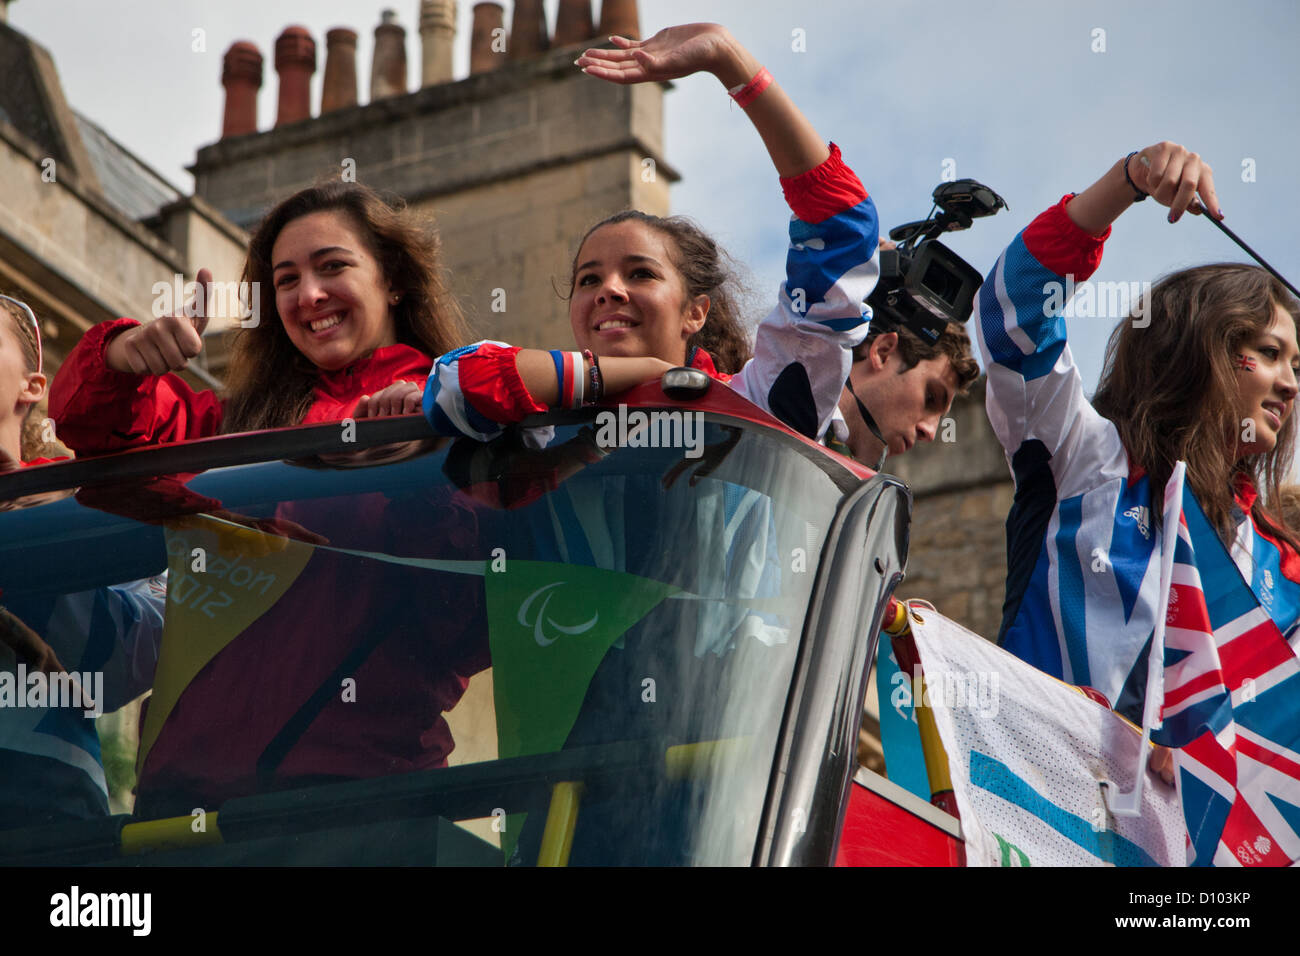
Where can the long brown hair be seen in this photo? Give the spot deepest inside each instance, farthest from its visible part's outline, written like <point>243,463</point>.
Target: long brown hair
<point>1170,387</point>
<point>270,382</point>
<point>706,270</point>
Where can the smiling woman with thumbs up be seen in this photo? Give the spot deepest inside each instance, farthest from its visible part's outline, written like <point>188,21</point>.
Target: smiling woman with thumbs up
<point>353,300</point>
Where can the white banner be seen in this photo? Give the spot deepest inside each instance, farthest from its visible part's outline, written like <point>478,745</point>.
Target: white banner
<point>1028,754</point>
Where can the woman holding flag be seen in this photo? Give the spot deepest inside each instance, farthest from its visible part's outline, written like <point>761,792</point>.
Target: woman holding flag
<point>1203,376</point>
<point>1204,372</point>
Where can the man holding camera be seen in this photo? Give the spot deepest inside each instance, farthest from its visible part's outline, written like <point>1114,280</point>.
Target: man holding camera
<point>899,388</point>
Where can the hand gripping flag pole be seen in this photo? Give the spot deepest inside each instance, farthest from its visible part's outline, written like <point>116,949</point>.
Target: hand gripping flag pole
<point>1198,207</point>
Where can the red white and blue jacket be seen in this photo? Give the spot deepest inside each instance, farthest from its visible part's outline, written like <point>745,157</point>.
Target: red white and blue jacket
<point>803,349</point>
<point>1083,568</point>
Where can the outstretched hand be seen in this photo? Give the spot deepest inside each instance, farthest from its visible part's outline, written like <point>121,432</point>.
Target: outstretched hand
<point>668,55</point>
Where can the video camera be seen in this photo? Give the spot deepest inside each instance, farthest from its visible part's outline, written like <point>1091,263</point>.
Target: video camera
<point>923,284</point>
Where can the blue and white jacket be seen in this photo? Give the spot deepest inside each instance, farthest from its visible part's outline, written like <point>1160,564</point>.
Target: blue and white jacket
<point>1083,568</point>
<point>50,755</point>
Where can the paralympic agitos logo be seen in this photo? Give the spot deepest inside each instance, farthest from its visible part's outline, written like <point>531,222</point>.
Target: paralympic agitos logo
<point>541,622</point>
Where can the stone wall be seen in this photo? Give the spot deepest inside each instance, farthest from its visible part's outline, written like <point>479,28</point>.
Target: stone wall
<point>510,244</point>
<point>961,493</point>
<point>77,260</point>
<point>962,490</point>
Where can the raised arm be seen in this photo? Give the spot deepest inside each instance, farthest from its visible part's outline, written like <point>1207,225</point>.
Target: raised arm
<point>1170,174</point>
<point>681,51</point>
<point>1034,390</point>
<point>117,389</point>
<point>803,348</point>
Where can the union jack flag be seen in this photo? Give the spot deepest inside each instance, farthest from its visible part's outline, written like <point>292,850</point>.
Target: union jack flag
<point>1245,362</point>
<point>1231,708</point>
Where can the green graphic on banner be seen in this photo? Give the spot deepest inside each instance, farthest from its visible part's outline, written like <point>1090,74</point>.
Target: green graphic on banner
<point>549,626</point>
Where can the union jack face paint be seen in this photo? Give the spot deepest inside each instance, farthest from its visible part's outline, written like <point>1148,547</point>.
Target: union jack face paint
<point>1245,362</point>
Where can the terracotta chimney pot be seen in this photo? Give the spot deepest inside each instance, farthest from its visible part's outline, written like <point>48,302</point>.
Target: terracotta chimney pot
<point>388,69</point>
<point>488,17</point>
<point>437,41</point>
<point>340,87</point>
<point>295,61</point>
<point>618,18</point>
<point>528,30</point>
<point>573,23</point>
<point>241,75</point>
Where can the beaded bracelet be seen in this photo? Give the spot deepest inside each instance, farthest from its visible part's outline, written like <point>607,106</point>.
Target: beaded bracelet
<point>748,92</point>
<point>597,380</point>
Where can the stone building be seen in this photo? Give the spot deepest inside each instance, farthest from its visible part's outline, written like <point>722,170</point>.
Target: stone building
<point>514,162</point>
<point>87,229</point>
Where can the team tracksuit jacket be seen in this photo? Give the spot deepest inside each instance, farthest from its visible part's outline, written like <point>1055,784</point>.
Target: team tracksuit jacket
<point>1083,555</point>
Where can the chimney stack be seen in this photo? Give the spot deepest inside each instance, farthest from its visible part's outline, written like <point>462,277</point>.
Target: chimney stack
<point>618,18</point>
<point>437,39</point>
<point>488,18</point>
<point>388,69</point>
<point>528,30</point>
<point>573,23</point>
<point>241,75</point>
<point>295,61</point>
<point>340,88</point>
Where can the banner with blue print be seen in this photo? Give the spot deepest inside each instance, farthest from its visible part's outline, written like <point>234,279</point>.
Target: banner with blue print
<point>1028,755</point>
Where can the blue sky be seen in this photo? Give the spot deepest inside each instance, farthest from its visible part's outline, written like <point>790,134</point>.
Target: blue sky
<point>1011,91</point>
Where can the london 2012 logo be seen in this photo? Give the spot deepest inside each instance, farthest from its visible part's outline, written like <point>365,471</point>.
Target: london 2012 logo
<point>541,623</point>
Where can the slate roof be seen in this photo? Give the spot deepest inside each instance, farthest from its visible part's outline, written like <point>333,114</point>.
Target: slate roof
<point>128,182</point>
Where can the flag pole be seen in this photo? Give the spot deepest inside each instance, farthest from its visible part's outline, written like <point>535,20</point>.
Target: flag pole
<point>1196,204</point>
<point>937,771</point>
<point>1130,804</point>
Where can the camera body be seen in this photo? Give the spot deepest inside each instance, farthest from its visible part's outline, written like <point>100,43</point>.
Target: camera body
<point>923,284</point>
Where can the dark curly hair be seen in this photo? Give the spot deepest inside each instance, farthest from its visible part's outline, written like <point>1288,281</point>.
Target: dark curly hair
<point>706,270</point>
<point>912,350</point>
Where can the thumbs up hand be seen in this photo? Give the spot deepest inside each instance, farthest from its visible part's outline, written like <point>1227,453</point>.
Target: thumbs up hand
<point>166,344</point>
